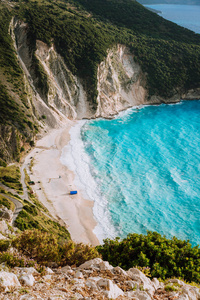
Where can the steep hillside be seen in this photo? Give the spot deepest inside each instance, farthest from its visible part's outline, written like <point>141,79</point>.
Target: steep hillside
<point>73,59</point>
<point>131,15</point>
<point>17,121</point>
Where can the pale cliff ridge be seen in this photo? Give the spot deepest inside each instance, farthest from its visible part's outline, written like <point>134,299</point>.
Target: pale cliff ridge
<point>65,92</point>
<point>18,31</point>
<point>64,97</point>
<point>120,82</point>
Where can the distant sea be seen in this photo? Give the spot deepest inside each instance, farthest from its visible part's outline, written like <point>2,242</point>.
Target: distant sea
<point>141,169</point>
<point>187,16</point>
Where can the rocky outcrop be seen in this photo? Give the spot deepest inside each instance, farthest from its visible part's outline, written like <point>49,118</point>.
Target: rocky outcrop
<point>61,95</point>
<point>8,280</point>
<point>10,142</point>
<point>6,214</point>
<point>6,219</point>
<point>95,279</point>
<point>191,94</point>
<point>120,83</point>
<point>4,227</point>
<point>65,92</point>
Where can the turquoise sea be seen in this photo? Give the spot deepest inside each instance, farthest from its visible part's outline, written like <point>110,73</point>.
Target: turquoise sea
<point>141,169</point>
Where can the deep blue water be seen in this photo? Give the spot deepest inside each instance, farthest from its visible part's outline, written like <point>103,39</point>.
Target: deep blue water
<point>187,16</point>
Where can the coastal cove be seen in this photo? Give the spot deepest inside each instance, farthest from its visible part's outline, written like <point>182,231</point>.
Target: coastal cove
<point>99,150</point>
<point>134,173</point>
<point>141,169</point>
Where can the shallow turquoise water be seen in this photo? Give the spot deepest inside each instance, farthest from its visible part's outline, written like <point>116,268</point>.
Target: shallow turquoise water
<point>187,16</point>
<point>146,170</point>
<point>142,169</point>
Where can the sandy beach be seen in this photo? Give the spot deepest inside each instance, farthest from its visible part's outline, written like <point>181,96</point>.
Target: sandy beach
<point>53,182</point>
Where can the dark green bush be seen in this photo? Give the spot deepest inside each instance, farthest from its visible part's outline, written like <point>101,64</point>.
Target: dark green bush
<point>31,209</point>
<point>4,245</point>
<point>38,245</point>
<point>2,163</point>
<point>25,221</point>
<point>16,260</point>
<point>10,179</point>
<point>165,257</point>
<point>5,202</point>
<point>76,254</point>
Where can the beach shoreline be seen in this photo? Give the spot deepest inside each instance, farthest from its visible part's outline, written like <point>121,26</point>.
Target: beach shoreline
<point>53,182</point>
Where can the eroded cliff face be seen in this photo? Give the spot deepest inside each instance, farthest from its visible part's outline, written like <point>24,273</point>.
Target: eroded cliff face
<point>120,83</point>
<point>65,93</point>
<point>9,142</point>
<point>59,95</point>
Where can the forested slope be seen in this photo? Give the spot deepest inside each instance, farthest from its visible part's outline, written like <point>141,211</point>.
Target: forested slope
<point>82,32</point>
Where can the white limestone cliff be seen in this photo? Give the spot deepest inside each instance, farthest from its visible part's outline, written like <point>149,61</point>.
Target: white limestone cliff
<point>120,82</point>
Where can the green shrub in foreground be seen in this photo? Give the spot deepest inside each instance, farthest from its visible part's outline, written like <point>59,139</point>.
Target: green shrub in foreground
<point>37,245</point>
<point>165,257</point>
<point>44,248</point>
<point>13,260</point>
<point>77,254</point>
<point>4,245</point>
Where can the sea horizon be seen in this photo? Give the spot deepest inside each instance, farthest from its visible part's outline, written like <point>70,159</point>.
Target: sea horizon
<point>184,15</point>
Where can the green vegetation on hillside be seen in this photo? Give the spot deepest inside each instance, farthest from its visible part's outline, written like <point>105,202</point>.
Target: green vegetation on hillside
<point>15,113</point>
<point>173,66</point>
<point>80,40</point>
<point>167,53</point>
<point>34,215</point>
<point>4,201</point>
<point>131,15</point>
<point>11,176</point>
<point>45,248</point>
<point>165,257</point>
<point>82,31</point>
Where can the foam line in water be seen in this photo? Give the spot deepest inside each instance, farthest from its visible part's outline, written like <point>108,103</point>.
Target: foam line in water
<point>75,158</point>
<point>135,109</point>
<point>141,170</point>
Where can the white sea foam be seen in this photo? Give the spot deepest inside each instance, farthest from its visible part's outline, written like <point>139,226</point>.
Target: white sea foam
<point>143,174</point>
<point>75,158</point>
